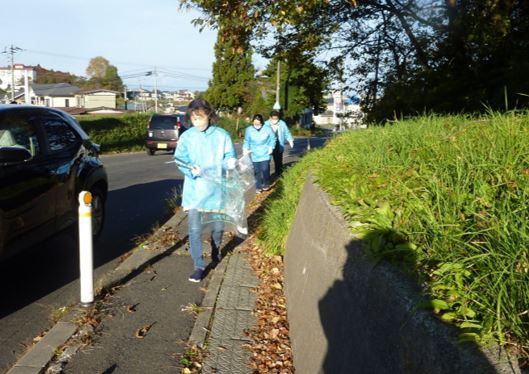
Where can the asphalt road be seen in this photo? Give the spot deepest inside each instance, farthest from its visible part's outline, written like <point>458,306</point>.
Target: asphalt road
<point>40,281</point>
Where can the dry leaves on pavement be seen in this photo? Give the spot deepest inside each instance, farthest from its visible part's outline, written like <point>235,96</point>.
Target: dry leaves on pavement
<point>270,346</point>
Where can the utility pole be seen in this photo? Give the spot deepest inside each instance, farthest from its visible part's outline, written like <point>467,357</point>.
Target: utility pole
<point>125,96</point>
<point>27,99</point>
<point>277,106</point>
<point>12,50</point>
<point>155,90</point>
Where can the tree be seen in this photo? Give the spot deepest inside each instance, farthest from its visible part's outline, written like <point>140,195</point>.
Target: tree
<point>52,76</point>
<point>414,55</point>
<point>232,69</point>
<point>97,67</point>
<point>103,75</point>
<point>233,84</point>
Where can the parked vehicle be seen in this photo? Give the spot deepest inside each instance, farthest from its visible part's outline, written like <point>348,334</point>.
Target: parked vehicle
<point>46,159</point>
<point>163,132</point>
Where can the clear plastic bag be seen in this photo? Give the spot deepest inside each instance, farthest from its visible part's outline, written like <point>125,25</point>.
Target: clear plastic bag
<point>234,185</point>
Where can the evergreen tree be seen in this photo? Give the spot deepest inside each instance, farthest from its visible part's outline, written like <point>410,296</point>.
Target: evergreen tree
<point>232,70</point>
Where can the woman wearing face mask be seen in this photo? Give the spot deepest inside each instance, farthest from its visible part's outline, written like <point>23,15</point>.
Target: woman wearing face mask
<point>280,129</point>
<point>205,149</point>
<point>259,142</point>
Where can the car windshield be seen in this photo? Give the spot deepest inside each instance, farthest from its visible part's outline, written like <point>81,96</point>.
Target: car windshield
<point>163,123</point>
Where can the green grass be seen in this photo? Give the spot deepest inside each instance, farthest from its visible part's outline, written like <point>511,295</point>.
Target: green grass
<point>117,133</point>
<point>125,133</point>
<point>446,198</point>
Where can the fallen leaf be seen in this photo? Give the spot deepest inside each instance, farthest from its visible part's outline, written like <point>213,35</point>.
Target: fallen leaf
<point>142,332</point>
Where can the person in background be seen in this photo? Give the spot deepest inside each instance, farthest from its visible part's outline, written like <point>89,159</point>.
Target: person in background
<point>280,129</point>
<point>259,142</point>
<point>203,150</point>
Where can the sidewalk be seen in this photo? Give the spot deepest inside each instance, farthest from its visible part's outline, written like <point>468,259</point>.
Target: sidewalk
<point>231,300</point>
<point>153,314</point>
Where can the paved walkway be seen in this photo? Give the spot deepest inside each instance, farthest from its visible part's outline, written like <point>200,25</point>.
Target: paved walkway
<point>232,315</point>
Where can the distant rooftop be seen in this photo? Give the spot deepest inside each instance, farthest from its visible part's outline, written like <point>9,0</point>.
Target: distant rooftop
<point>56,89</point>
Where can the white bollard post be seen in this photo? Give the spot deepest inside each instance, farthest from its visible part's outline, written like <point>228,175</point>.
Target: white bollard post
<point>86,265</point>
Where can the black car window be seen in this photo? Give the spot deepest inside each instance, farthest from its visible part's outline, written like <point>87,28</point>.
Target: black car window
<point>60,135</point>
<point>163,123</point>
<point>17,132</point>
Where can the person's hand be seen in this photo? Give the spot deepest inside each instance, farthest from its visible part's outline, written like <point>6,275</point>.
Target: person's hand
<point>291,144</point>
<point>246,151</point>
<point>196,170</point>
<point>231,163</point>
<point>270,150</point>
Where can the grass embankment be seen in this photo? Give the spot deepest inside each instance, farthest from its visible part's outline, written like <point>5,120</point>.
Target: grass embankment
<point>116,133</point>
<point>447,198</point>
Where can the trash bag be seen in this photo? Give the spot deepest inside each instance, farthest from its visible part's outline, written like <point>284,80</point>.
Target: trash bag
<point>233,185</point>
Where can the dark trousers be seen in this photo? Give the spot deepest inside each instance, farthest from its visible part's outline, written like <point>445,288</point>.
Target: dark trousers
<point>262,174</point>
<point>278,158</point>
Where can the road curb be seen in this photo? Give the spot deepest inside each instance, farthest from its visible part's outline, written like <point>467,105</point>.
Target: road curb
<point>37,358</point>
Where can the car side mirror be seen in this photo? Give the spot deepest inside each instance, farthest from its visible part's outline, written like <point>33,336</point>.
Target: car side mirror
<point>14,155</point>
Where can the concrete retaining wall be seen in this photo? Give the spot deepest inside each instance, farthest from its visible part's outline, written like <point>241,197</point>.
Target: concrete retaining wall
<point>348,314</point>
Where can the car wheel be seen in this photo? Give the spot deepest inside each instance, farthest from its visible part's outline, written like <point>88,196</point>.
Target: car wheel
<point>150,152</point>
<point>98,211</point>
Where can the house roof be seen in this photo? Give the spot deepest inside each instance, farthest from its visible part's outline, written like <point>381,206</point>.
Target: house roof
<point>57,89</point>
<point>98,90</point>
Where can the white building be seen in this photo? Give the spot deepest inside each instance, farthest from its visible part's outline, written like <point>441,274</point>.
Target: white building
<point>19,71</point>
<point>342,112</point>
<point>98,98</point>
<point>59,95</point>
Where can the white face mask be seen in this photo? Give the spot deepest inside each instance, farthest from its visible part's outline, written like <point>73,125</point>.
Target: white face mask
<point>200,122</point>
<point>257,124</point>
<point>274,121</point>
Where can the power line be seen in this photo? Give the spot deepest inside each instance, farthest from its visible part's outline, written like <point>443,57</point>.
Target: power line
<point>117,62</point>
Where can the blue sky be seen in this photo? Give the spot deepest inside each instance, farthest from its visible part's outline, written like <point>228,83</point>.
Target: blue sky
<point>134,35</point>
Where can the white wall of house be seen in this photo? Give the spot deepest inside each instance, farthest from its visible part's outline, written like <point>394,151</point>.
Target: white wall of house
<point>63,102</point>
<point>54,101</point>
<point>100,99</point>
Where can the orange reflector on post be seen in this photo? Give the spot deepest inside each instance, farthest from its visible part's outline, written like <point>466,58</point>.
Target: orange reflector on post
<point>86,198</point>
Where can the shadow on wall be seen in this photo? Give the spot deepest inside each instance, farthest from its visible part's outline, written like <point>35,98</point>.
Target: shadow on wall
<point>372,323</point>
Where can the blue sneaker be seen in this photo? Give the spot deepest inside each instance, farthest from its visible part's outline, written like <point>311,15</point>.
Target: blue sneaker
<point>197,275</point>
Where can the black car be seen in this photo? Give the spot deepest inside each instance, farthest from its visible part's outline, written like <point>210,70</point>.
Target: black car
<point>46,159</point>
<point>163,132</point>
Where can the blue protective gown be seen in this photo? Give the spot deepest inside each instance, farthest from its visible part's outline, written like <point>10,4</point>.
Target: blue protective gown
<point>259,142</point>
<point>210,150</point>
<point>283,133</point>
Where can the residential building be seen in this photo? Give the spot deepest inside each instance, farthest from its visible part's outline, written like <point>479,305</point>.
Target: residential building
<point>341,112</point>
<point>98,98</point>
<point>58,95</point>
<point>19,72</point>
<point>68,97</point>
